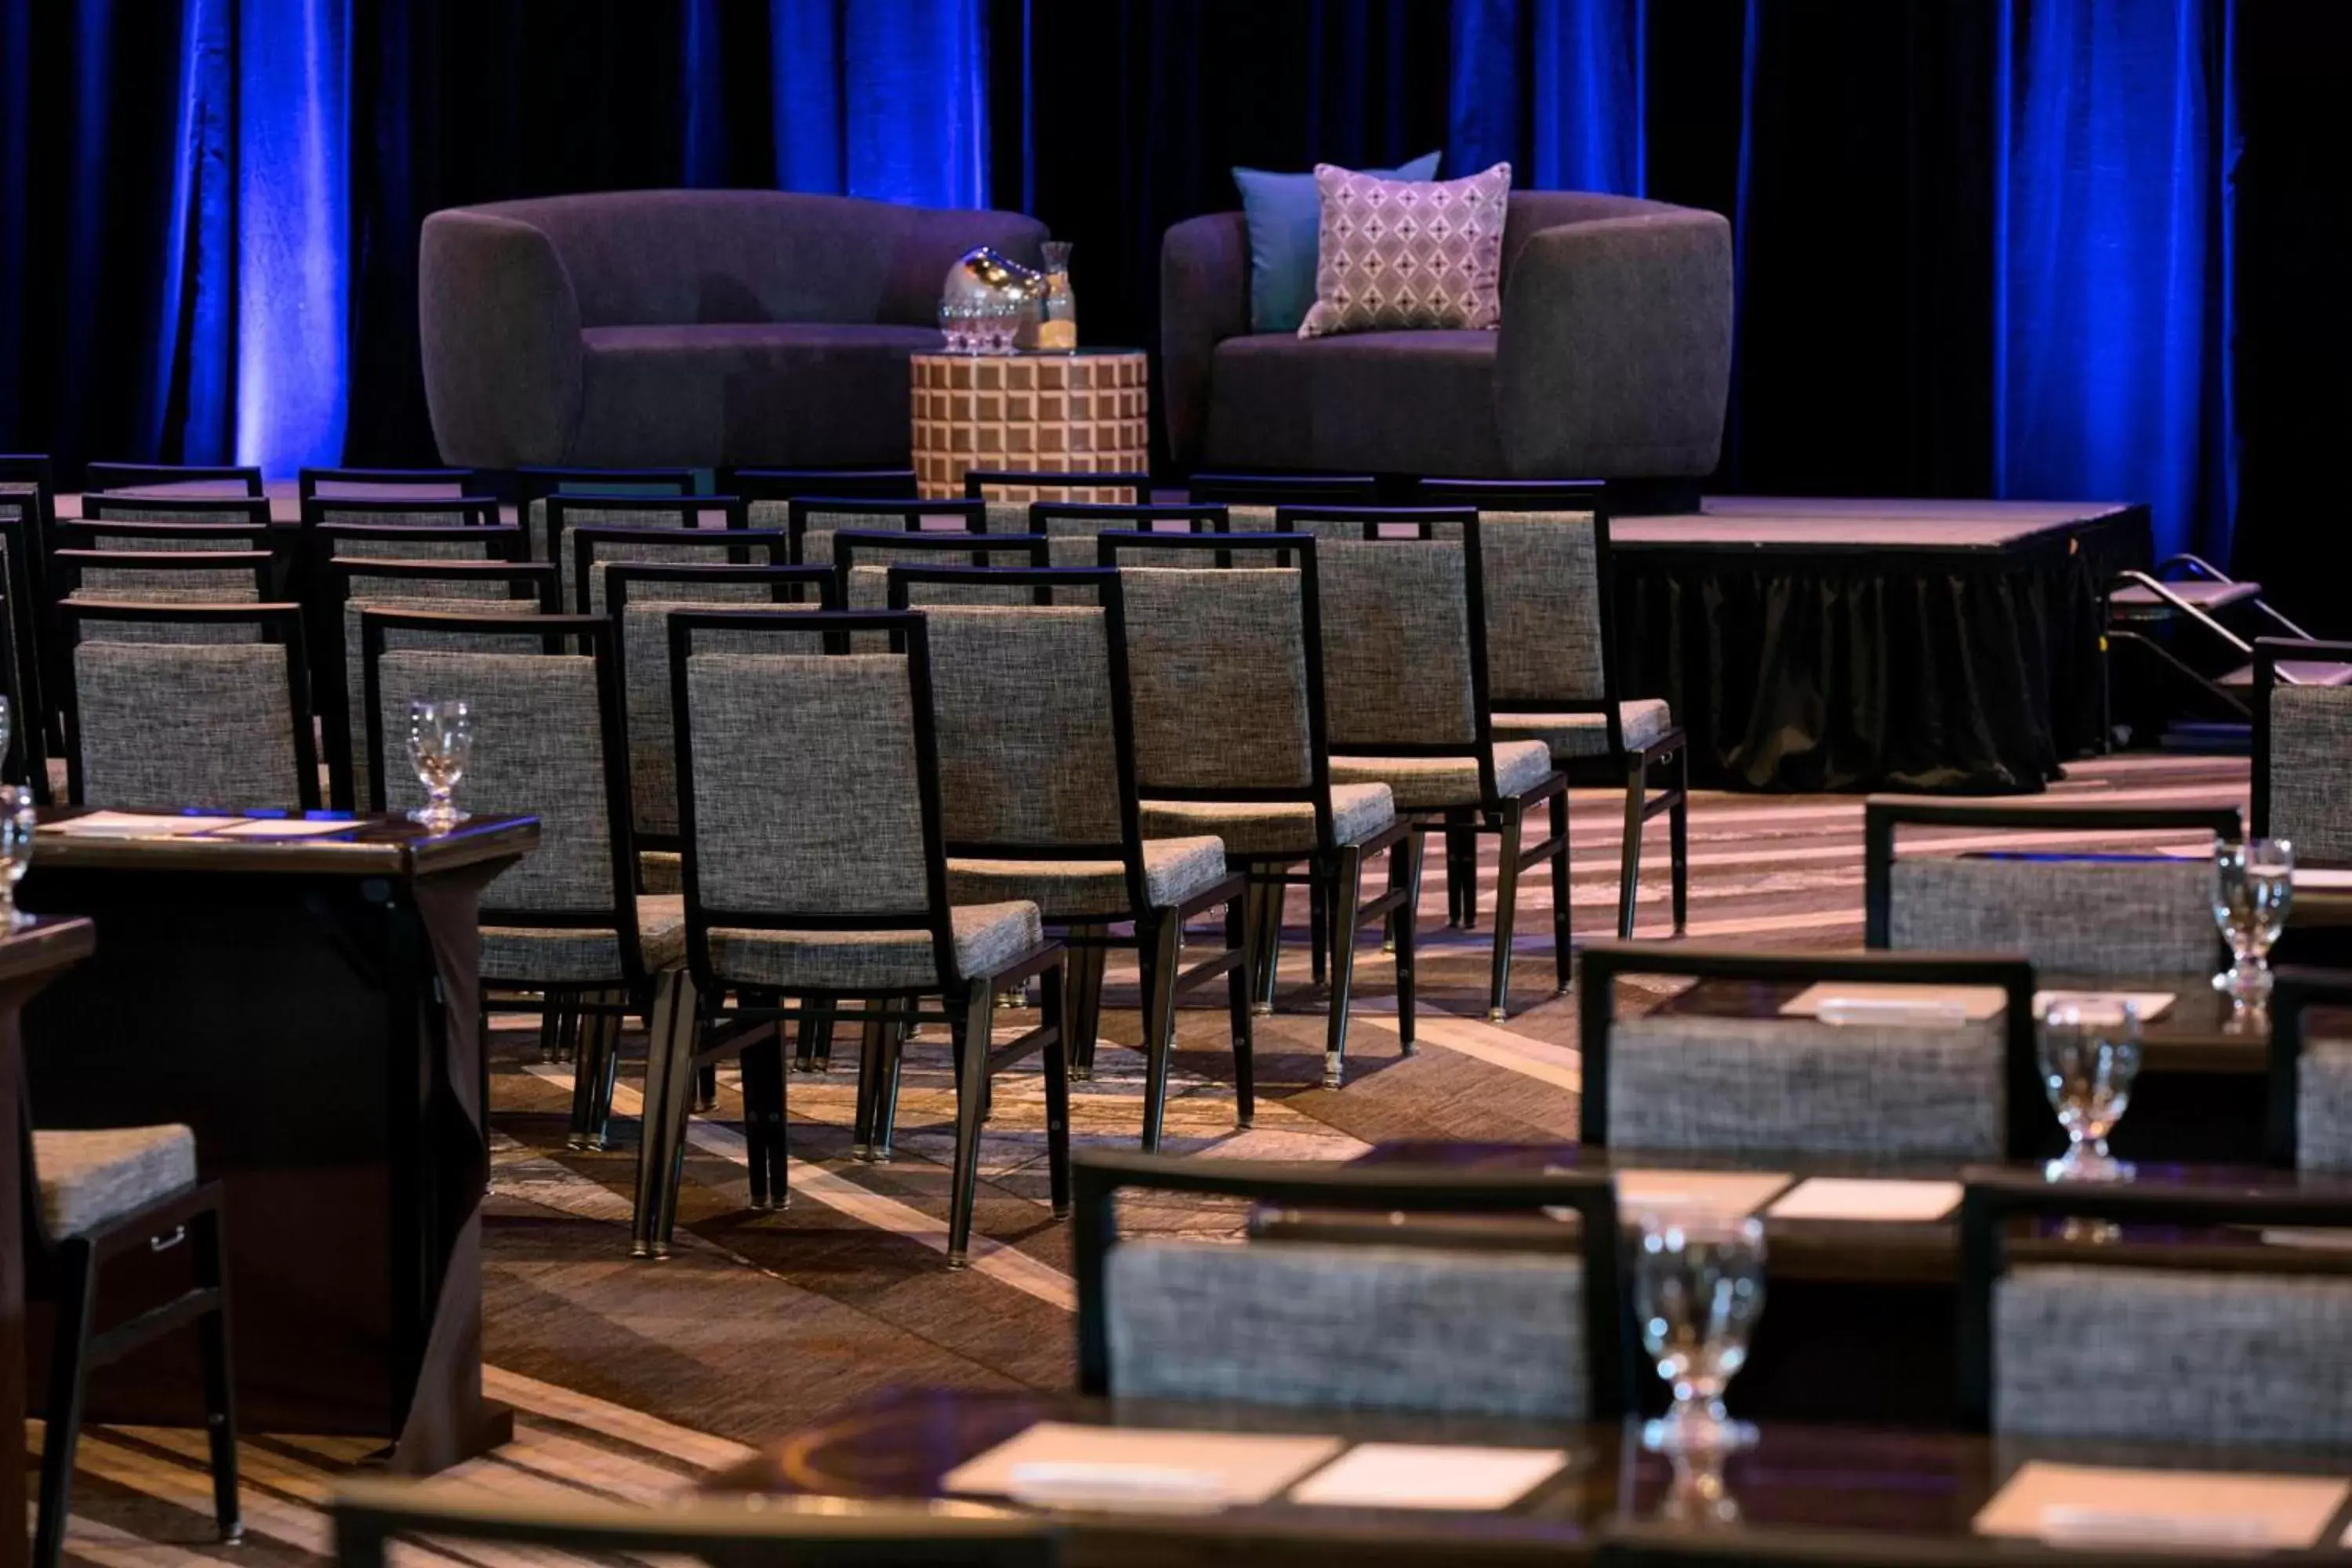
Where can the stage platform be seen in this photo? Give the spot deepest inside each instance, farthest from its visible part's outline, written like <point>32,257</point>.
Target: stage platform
<point>1811,645</point>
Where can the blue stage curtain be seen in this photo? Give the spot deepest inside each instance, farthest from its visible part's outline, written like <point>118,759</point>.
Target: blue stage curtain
<point>1558,87</point>
<point>2117,129</point>
<point>886,98</point>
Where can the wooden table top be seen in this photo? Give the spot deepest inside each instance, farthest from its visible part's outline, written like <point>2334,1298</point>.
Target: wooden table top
<point>43,942</point>
<point>384,846</point>
<point>1918,1486</point>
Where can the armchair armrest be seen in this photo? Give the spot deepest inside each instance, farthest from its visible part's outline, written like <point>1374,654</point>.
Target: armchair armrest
<point>1615,358</point>
<point>500,327</point>
<point>1204,267</point>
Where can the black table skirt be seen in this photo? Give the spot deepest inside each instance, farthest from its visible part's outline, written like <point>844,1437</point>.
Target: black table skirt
<point>1961,672</point>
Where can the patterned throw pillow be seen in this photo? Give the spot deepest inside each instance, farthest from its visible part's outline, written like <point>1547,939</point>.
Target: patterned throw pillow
<point>1402,253</point>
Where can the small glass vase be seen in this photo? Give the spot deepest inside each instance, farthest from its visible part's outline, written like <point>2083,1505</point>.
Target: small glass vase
<point>1058,307</point>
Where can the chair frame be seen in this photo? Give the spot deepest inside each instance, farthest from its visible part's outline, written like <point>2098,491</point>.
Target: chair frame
<point>331,591</point>
<point>1882,815</point>
<point>968,1001</point>
<point>976,548</point>
<point>792,484</point>
<point>737,543</point>
<point>1099,1176</point>
<point>909,513</point>
<point>306,482</point>
<point>96,477</point>
<point>1159,933</point>
<point>1235,488</point>
<point>1135,481</point>
<point>248,511</point>
<point>277,623</point>
<point>1994,1196</point>
<point>689,509</point>
<point>1503,816</point>
<point>1197,519</point>
<point>470,510</point>
<point>2295,989</point>
<point>2026,1121</point>
<point>20,664</point>
<point>2268,654</point>
<point>1335,871</point>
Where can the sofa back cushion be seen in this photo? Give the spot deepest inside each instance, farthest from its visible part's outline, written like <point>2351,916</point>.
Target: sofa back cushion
<point>696,258</point>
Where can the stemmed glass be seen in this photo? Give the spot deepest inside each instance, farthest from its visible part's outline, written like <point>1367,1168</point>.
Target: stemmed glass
<point>2252,886</point>
<point>1698,1288</point>
<point>17,825</point>
<point>440,740</point>
<point>2089,1057</point>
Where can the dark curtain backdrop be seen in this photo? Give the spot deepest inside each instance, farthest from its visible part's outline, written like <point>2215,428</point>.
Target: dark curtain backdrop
<point>2063,247</point>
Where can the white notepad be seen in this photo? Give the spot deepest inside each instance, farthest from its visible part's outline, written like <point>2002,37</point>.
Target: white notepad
<point>2088,1504</point>
<point>1884,1002</point>
<point>1721,1191</point>
<point>2105,1007</point>
<point>1416,1474</point>
<point>1845,1197</point>
<point>282,827</point>
<point>1059,1463</point>
<point>138,825</point>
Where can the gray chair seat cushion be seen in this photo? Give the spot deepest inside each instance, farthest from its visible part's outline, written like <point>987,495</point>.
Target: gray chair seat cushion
<point>776,393</point>
<point>1174,869</point>
<point>1259,828</point>
<point>89,1179</point>
<point>1424,783</point>
<point>1570,735</point>
<point>1415,401</point>
<point>554,956</point>
<point>2213,1357</point>
<point>2323,1105</point>
<point>2119,918</point>
<point>987,937</point>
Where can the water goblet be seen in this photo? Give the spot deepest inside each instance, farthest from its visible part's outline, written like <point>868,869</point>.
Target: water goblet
<point>955,338</point>
<point>17,825</point>
<point>1698,1288</point>
<point>2254,884</point>
<point>2089,1057</point>
<point>440,741</point>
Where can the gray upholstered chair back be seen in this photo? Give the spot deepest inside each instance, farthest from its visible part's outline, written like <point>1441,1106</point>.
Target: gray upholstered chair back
<point>806,794</point>
<point>1397,641</point>
<point>2323,1105</point>
<point>1431,1329</point>
<point>868,587</point>
<point>101,575</point>
<point>1797,1086</point>
<point>539,750</point>
<point>645,660</point>
<point>1542,576</point>
<point>600,509</point>
<point>818,526</point>
<point>164,725</point>
<point>1217,663</point>
<point>2311,770</point>
<point>370,511</point>
<point>376,547</point>
<point>2203,1356</point>
<point>698,546</point>
<point>1022,703</point>
<point>434,594</point>
<point>2123,917</point>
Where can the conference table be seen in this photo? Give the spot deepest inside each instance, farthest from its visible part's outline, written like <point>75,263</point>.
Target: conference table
<point>304,994</point>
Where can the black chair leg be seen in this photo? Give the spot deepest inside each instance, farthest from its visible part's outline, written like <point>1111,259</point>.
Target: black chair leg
<point>1318,936</point>
<point>1404,872</point>
<point>1507,910</point>
<point>1085,967</point>
<point>76,1303</point>
<point>763,1121</point>
<point>1347,904</point>
<point>972,1111</point>
<point>220,1381</point>
<point>1629,872</point>
<point>706,1088</point>
<point>1678,839</point>
<point>550,1029</point>
<point>1053,1007</point>
<point>1245,1028</point>
<point>1563,959</point>
<point>1159,944</point>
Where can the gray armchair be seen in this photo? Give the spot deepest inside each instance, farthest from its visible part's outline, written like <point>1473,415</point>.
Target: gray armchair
<point>1613,359</point>
<point>686,329</point>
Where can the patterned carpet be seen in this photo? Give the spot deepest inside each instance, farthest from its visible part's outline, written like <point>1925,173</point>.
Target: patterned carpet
<point>630,1378</point>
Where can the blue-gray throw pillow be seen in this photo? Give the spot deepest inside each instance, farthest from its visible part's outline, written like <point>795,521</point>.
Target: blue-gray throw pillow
<point>1286,220</point>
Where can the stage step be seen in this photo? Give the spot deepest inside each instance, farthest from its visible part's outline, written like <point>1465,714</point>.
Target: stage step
<point>2203,593</point>
<point>2295,672</point>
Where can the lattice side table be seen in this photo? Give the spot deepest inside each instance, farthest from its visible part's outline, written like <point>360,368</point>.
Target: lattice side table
<point>1086,412</point>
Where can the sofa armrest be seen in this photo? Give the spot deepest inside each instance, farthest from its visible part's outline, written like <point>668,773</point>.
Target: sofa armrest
<point>1615,358</point>
<point>500,327</point>
<point>1204,265</point>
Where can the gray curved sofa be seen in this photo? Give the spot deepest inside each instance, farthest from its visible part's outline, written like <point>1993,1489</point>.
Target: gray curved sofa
<point>1613,359</point>
<point>686,327</point>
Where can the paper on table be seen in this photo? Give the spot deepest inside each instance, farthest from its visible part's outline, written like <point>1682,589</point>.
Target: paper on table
<point>1247,1468</point>
<point>2081,1502</point>
<point>1844,1197</point>
<point>2324,879</point>
<point>138,825</point>
<point>1976,1003</point>
<point>283,827</point>
<point>1417,1475</point>
<point>1724,1192</point>
<point>2105,1007</point>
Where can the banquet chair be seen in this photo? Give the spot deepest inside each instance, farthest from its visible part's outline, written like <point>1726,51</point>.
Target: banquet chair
<point>390,484</point>
<point>567,919</point>
<point>1074,526</point>
<point>20,664</point>
<point>595,547</point>
<point>1035,486</point>
<point>2103,916</point>
<point>345,585</point>
<point>534,485</point>
<point>814,519</point>
<point>2303,750</point>
<point>2190,1328</point>
<point>753,1530</point>
<point>1226,684</point>
<point>1405,663</point>
<point>418,508</point>
<point>1036,750</point>
<point>679,515</point>
<point>2309,1123</point>
<point>865,559</point>
<point>809,803</point>
<point>163,725</point>
<point>94,1197</point>
<point>230,480</point>
<point>1729,1082</point>
<point>1438,1330</point>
